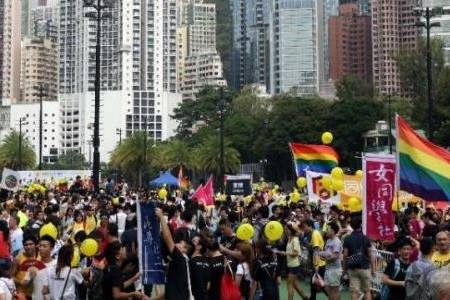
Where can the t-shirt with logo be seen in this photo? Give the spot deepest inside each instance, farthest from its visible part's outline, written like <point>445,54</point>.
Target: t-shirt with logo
<point>440,260</point>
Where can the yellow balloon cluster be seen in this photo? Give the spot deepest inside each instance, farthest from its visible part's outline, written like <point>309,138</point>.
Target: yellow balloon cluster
<point>301,182</point>
<point>36,188</point>
<point>327,138</point>
<point>273,230</point>
<point>89,247</point>
<point>50,230</point>
<point>162,194</point>
<point>245,232</point>
<point>294,196</point>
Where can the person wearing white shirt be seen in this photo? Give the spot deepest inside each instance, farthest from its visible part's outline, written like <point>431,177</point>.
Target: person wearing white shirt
<point>15,235</point>
<point>7,285</point>
<point>40,277</point>
<point>62,279</point>
<point>119,218</point>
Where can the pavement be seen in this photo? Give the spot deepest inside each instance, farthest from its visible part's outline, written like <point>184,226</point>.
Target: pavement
<point>345,295</point>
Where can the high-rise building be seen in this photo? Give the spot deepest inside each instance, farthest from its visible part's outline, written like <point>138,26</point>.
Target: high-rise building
<point>10,57</point>
<point>350,43</point>
<point>197,55</point>
<point>44,22</point>
<point>294,51</point>
<point>39,70</point>
<point>393,30</point>
<point>443,31</point>
<point>251,35</point>
<point>138,72</point>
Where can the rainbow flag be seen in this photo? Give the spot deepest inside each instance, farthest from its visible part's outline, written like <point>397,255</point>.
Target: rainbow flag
<point>316,158</point>
<point>424,168</point>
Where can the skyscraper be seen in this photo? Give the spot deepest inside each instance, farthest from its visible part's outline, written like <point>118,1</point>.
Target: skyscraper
<point>393,30</point>
<point>294,47</point>
<point>350,43</point>
<point>138,72</point>
<point>10,60</point>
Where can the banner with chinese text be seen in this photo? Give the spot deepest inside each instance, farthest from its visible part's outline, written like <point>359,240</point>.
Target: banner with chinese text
<point>378,194</point>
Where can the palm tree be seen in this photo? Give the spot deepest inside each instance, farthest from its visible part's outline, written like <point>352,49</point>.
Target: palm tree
<point>176,152</point>
<point>207,156</point>
<point>11,157</point>
<point>135,155</point>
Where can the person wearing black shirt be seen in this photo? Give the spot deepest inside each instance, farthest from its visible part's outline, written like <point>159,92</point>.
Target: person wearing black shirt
<point>199,267</point>
<point>395,272</point>
<point>266,271</point>
<point>113,283</point>
<point>216,263</point>
<point>178,284</point>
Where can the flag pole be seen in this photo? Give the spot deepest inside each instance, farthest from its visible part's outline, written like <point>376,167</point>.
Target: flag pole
<point>397,167</point>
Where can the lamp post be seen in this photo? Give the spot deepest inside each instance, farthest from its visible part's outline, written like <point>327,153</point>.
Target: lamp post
<point>22,121</point>
<point>41,96</point>
<point>427,13</point>
<point>98,15</point>
<point>221,119</point>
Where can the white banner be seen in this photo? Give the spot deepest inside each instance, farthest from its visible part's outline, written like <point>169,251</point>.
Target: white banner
<point>317,193</point>
<point>27,177</point>
<point>10,180</point>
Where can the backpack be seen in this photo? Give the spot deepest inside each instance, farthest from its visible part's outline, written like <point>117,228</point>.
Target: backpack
<point>385,289</point>
<point>416,283</point>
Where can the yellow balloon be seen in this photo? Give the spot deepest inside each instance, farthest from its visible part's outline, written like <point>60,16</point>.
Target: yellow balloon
<point>359,174</point>
<point>354,204</point>
<point>89,247</point>
<point>327,138</point>
<point>338,185</point>
<point>337,173</point>
<point>301,182</point>
<point>76,257</point>
<point>115,201</point>
<point>327,182</point>
<point>50,230</point>
<point>295,197</point>
<point>273,230</point>
<point>245,232</point>
<point>162,194</point>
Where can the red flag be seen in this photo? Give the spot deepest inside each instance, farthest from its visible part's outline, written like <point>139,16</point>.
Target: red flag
<point>209,191</point>
<point>205,193</point>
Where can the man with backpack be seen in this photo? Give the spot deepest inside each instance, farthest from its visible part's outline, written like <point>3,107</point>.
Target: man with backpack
<point>394,275</point>
<point>416,283</point>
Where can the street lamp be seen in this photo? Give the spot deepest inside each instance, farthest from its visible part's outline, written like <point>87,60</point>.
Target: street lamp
<point>427,13</point>
<point>98,15</point>
<point>22,121</point>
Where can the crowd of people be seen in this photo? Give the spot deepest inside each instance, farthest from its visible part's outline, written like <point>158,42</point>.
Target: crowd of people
<point>326,250</point>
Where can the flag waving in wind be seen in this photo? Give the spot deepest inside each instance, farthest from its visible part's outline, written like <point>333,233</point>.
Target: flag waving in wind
<point>205,193</point>
<point>316,158</point>
<point>424,168</point>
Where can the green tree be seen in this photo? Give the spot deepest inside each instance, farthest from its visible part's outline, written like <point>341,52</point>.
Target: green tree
<point>11,157</point>
<point>291,119</point>
<point>71,160</point>
<point>207,156</point>
<point>413,74</point>
<point>176,152</point>
<point>135,156</point>
<point>351,87</point>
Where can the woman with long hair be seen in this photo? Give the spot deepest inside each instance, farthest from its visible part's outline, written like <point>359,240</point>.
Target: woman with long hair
<point>266,271</point>
<point>243,276</point>
<point>62,278</point>
<point>216,262</point>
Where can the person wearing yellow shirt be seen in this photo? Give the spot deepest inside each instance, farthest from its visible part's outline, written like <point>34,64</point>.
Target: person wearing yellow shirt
<point>292,254</point>
<point>317,244</point>
<point>90,223</point>
<point>441,257</point>
<point>22,262</point>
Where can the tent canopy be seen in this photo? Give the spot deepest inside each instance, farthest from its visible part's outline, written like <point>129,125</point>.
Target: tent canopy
<point>165,178</point>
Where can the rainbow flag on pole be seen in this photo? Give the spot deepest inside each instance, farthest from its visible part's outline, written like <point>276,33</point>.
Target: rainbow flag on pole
<point>424,168</point>
<point>316,158</point>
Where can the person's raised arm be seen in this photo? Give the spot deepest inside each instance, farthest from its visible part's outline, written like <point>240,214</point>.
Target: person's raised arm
<point>165,231</point>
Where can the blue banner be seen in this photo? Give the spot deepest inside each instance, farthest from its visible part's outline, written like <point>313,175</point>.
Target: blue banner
<point>149,238</point>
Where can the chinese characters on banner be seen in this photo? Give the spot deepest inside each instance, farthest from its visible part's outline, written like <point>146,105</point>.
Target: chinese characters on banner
<point>379,189</point>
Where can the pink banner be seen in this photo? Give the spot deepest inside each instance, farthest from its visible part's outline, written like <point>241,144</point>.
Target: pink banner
<point>379,187</point>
